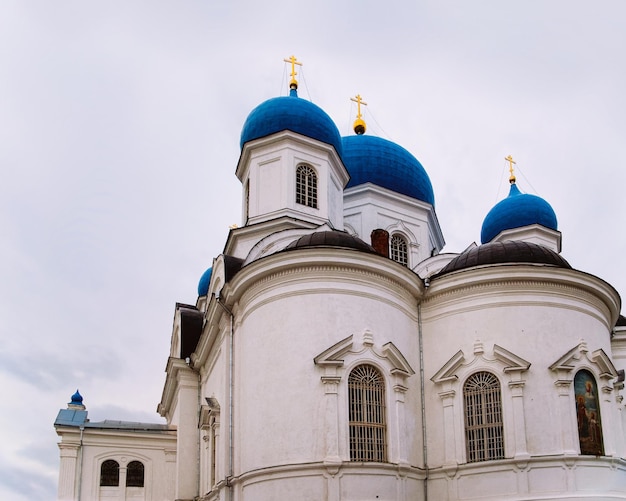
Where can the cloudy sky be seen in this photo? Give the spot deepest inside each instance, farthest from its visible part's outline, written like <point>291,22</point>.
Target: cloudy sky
<point>120,125</point>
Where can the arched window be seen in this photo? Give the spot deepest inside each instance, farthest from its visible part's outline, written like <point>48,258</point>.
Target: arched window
<point>484,431</point>
<point>134,474</point>
<point>366,393</point>
<point>306,186</point>
<point>398,250</point>
<point>588,414</point>
<point>109,473</point>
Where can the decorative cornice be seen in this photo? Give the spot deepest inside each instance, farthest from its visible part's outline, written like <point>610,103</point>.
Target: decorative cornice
<point>510,363</point>
<point>578,358</point>
<point>458,288</point>
<point>334,357</point>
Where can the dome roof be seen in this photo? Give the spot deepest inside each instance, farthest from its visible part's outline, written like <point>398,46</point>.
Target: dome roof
<point>508,252</point>
<point>517,210</point>
<point>77,399</point>
<point>371,159</point>
<point>203,284</point>
<point>294,114</point>
<point>335,238</point>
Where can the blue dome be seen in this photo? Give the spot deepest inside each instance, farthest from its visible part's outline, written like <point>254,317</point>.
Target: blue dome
<point>371,159</point>
<point>517,210</point>
<point>203,284</point>
<point>77,399</point>
<point>294,114</point>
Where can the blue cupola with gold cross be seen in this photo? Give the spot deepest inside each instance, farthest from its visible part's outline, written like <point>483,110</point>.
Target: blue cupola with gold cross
<point>290,113</point>
<point>290,168</point>
<point>518,210</point>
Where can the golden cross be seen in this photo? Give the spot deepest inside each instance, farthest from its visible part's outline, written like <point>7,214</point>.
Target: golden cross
<point>293,62</point>
<point>359,101</point>
<point>511,162</point>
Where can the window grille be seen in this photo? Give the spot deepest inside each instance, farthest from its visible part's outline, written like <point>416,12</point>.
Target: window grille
<point>306,186</point>
<point>398,250</point>
<point>134,474</point>
<point>109,473</point>
<point>366,388</point>
<point>484,431</point>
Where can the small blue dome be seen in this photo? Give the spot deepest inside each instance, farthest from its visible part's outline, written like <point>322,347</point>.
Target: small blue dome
<point>77,399</point>
<point>203,284</point>
<point>517,210</point>
<point>294,114</point>
<point>371,159</point>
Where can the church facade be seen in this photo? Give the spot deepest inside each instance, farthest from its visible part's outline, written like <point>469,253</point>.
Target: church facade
<point>334,353</point>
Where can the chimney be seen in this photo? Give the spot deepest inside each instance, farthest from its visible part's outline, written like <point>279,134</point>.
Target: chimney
<point>380,241</point>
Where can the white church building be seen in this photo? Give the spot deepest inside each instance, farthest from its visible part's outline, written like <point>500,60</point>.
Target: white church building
<point>335,354</point>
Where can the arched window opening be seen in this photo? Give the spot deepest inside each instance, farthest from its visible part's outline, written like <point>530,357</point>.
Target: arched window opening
<point>588,414</point>
<point>399,250</point>
<point>134,474</point>
<point>366,389</point>
<point>484,430</point>
<point>109,473</point>
<point>306,186</point>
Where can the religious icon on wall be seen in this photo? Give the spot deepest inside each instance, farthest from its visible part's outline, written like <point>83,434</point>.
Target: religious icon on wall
<point>588,414</point>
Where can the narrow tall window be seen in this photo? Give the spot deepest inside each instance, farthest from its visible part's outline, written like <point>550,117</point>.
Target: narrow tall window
<point>588,414</point>
<point>134,474</point>
<point>366,389</point>
<point>484,431</point>
<point>109,473</point>
<point>247,200</point>
<point>398,250</point>
<point>306,186</point>
<point>212,480</point>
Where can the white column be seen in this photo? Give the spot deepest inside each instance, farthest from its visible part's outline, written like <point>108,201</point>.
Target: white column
<point>188,447</point>
<point>67,472</point>
<point>569,433</point>
<point>449,440</point>
<point>402,443</point>
<point>519,419</point>
<point>607,426</point>
<point>122,484</point>
<point>331,423</point>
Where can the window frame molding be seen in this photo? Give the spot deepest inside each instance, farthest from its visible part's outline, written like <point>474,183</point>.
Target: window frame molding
<point>401,236</point>
<point>209,424</point>
<point>565,369</point>
<point>123,458</point>
<point>316,177</point>
<point>336,364</point>
<point>412,244</point>
<point>450,381</point>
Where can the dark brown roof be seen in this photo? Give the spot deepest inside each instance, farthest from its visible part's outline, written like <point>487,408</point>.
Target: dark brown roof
<point>511,251</point>
<point>339,239</point>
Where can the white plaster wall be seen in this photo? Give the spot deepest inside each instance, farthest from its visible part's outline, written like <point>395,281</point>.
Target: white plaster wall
<point>153,450</point>
<point>285,322</point>
<point>370,207</point>
<point>539,319</point>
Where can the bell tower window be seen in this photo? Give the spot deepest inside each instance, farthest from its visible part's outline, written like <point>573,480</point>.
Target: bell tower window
<point>398,250</point>
<point>306,186</point>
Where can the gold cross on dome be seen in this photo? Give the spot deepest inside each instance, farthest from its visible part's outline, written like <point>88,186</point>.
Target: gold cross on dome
<point>293,62</point>
<point>511,162</point>
<point>359,101</point>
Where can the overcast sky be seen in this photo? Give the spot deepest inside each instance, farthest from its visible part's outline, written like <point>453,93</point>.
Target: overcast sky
<point>120,125</point>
